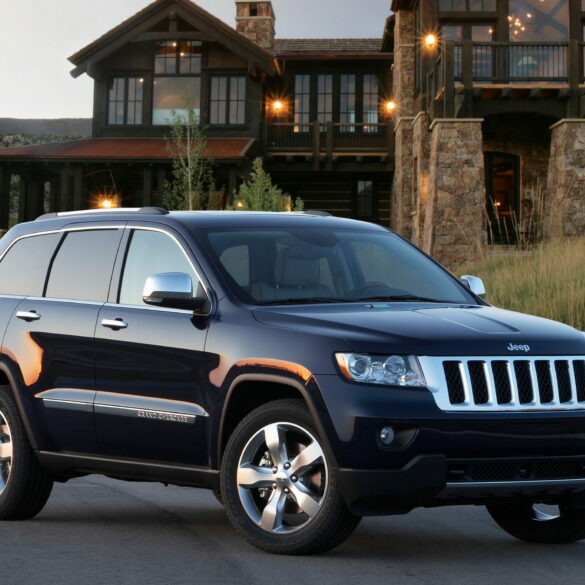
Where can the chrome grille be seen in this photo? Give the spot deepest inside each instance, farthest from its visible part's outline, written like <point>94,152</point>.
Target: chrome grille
<point>506,384</point>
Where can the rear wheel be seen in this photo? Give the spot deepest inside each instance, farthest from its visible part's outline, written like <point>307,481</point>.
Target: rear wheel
<point>540,523</point>
<point>279,488</point>
<point>24,486</point>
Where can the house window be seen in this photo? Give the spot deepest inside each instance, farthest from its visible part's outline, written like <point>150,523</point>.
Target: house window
<point>467,5</point>
<point>177,68</point>
<point>324,99</point>
<point>178,58</point>
<point>302,111</point>
<point>125,99</point>
<point>364,203</point>
<point>227,104</point>
<point>347,102</point>
<point>539,21</point>
<point>371,102</point>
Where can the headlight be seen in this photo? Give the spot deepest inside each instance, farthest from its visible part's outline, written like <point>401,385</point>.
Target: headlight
<point>392,370</point>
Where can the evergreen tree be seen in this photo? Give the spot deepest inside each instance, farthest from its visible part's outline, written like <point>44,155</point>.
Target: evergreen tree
<point>192,162</point>
<point>260,194</point>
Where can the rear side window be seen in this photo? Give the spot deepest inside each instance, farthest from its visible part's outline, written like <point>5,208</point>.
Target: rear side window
<point>23,269</point>
<point>151,253</point>
<point>82,269</point>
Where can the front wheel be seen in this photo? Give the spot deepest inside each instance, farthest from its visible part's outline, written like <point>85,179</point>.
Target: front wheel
<point>279,488</point>
<point>539,523</point>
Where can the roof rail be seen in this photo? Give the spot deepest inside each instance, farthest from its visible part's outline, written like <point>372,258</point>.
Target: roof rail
<point>117,210</point>
<point>317,212</point>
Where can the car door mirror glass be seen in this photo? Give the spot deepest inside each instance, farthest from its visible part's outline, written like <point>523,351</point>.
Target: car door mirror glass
<point>474,284</point>
<point>172,290</point>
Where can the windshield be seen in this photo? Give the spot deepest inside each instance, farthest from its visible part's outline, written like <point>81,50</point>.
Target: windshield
<point>290,266</point>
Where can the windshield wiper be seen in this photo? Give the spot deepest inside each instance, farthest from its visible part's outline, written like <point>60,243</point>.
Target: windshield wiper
<point>402,298</point>
<point>306,301</point>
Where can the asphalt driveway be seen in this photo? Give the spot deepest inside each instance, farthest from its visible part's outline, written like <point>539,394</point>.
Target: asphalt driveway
<point>99,531</point>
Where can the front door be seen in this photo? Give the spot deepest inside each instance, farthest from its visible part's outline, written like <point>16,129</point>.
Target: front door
<point>151,365</point>
<point>503,198</point>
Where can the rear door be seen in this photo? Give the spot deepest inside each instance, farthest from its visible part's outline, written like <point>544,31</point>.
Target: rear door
<point>50,337</point>
<point>151,364</point>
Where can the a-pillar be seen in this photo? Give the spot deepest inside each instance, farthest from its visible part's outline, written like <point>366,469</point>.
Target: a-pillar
<point>455,220</point>
<point>565,200</point>
<point>5,177</point>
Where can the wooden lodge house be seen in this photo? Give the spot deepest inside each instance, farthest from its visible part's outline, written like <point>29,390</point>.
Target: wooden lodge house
<point>438,128</point>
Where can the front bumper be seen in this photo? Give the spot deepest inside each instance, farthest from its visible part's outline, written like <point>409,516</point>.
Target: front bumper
<point>434,480</point>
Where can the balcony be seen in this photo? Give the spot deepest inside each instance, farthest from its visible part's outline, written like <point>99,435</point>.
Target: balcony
<point>467,72</point>
<point>329,142</point>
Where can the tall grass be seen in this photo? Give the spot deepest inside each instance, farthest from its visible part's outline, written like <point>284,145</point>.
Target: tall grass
<point>548,281</point>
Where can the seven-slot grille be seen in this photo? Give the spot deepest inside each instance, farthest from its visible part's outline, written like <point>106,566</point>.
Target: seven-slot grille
<point>516,384</point>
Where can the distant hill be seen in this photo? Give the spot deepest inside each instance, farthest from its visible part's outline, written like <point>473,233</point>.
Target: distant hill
<point>58,127</point>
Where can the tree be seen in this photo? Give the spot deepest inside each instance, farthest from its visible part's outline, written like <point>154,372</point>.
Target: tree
<point>260,194</point>
<point>192,162</point>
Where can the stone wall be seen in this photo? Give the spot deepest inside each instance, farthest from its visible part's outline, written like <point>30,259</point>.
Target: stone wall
<point>402,187</point>
<point>565,202</point>
<point>404,59</point>
<point>421,185</point>
<point>455,219</point>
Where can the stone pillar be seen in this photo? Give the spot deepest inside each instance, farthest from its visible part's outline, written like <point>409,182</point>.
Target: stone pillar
<point>5,177</point>
<point>421,153</point>
<point>564,209</point>
<point>404,63</point>
<point>402,188</point>
<point>455,219</point>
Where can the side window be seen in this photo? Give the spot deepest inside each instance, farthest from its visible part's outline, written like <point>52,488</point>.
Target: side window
<point>82,269</point>
<point>151,253</point>
<point>23,269</point>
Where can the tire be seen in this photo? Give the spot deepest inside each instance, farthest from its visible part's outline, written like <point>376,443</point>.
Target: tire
<point>24,486</point>
<point>530,522</point>
<point>279,500</point>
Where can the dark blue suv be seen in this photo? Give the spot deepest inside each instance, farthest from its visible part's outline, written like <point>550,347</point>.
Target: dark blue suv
<point>310,370</point>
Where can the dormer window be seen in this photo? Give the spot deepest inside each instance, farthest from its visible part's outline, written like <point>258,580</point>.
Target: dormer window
<point>177,74</point>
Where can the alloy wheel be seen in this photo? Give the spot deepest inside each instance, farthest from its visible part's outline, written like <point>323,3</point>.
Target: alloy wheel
<point>5,452</point>
<point>282,477</point>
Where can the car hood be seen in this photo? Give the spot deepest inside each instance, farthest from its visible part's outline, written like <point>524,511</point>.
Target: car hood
<point>429,329</point>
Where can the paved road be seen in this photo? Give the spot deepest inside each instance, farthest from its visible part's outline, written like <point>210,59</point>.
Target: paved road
<point>99,531</point>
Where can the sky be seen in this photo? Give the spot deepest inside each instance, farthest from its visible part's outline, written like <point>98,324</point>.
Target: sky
<point>37,36</point>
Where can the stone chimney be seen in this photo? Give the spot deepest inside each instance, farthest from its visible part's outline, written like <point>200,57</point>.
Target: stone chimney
<point>256,21</point>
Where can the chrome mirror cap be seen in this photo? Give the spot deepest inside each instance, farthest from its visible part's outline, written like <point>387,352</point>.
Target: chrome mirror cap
<point>474,284</point>
<point>171,289</point>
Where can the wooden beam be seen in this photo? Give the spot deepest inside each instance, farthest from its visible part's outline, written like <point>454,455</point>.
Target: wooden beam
<point>168,36</point>
<point>78,189</point>
<point>535,93</point>
<point>146,186</point>
<point>505,93</point>
<point>316,144</point>
<point>564,93</point>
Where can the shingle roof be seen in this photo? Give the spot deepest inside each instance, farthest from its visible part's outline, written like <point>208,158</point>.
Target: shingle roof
<point>282,46</point>
<point>122,148</point>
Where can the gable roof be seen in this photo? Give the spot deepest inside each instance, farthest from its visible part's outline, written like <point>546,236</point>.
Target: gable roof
<point>327,46</point>
<point>151,15</point>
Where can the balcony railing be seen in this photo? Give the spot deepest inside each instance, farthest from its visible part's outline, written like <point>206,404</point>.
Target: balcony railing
<point>468,64</point>
<point>320,139</point>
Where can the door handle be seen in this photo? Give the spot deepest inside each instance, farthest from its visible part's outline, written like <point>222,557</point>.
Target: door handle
<point>114,324</point>
<point>28,316</point>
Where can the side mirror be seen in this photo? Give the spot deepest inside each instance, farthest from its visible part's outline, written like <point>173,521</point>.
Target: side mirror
<point>474,284</point>
<point>173,290</point>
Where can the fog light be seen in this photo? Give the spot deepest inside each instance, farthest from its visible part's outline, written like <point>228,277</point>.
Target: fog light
<point>387,436</point>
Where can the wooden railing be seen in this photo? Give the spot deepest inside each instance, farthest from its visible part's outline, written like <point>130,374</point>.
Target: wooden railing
<point>468,64</point>
<point>328,139</point>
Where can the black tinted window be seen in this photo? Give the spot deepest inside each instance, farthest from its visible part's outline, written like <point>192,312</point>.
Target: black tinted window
<point>152,253</point>
<point>83,267</point>
<point>24,268</point>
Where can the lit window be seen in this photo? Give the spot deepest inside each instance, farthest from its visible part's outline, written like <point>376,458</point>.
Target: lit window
<point>302,103</point>
<point>347,109</point>
<point>371,102</point>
